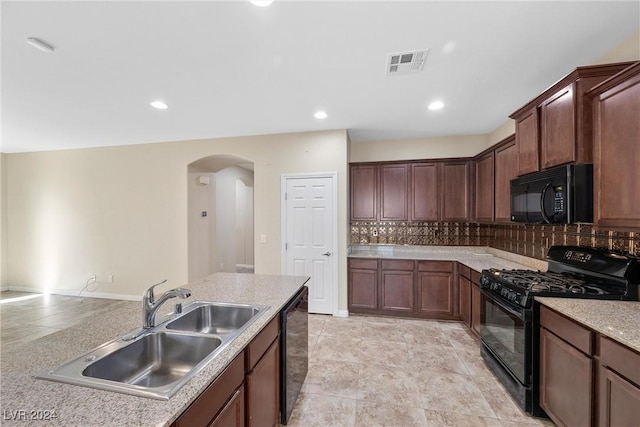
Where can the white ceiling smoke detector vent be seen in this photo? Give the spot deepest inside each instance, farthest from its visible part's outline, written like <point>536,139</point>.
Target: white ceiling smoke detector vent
<point>406,62</point>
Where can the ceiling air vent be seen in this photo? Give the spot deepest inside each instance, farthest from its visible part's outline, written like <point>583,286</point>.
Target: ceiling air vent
<point>406,62</point>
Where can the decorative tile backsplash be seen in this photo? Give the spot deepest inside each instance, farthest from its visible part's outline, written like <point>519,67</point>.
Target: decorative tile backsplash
<point>531,240</point>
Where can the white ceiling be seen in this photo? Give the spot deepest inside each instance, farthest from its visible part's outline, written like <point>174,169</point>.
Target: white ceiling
<point>231,68</point>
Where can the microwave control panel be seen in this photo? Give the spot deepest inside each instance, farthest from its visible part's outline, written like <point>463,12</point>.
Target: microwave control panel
<point>558,199</point>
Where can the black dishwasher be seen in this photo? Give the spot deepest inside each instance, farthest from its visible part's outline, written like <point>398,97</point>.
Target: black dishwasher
<point>294,351</point>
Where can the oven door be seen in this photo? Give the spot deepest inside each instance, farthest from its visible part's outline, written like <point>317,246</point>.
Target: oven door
<point>505,329</point>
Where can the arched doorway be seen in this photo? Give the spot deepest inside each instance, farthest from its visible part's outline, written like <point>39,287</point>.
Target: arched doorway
<point>220,205</point>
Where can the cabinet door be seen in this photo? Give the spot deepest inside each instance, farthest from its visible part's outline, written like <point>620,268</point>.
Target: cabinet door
<point>396,291</point>
<point>566,382</point>
<point>506,170</point>
<point>394,195</point>
<point>455,198</point>
<point>527,141</point>
<point>363,289</point>
<point>263,390</point>
<point>363,195</point>
<point>424,201</point>
<point>232,415</point>
<point>476,308</point>
<point>464,286</point>
<point>484,188</point>
<point>435,295</point>
<point>619,401</point>
<point>616,154</point>
<point>558,128</point>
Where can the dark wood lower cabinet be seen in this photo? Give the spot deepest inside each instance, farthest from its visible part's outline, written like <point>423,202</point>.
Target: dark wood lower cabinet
<point>476,302</point>
<point>566,382</point>
<point>408,288</point>
<point>232,415</point>
<point>363,285</point>
<point>397,290</point>
<point>619,400</point>
<point>619,385</point>
<point>262,385</point>
<point>464,288</point>
<point>437,294</point>
<point>216,398</point>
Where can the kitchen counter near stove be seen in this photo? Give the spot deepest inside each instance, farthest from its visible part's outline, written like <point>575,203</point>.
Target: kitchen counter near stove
<point>476,257</point>
<point>618,320</point>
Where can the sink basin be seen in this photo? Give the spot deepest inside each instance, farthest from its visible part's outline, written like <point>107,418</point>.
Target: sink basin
<point>155,360</point>
<point>215,318</point>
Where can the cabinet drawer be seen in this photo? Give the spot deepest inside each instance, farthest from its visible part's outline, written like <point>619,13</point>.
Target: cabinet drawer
<point>445,266</point>
<point>404,265</point>
<point>620,359</point>
<point>367,264</point>
<point>464,271</point>
<point>213,399</point>
<point>568,330</point>
<point>475,277</point>
<point>261,343</point>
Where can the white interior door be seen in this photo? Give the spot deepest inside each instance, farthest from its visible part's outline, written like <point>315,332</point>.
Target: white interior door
<point>310,237</point>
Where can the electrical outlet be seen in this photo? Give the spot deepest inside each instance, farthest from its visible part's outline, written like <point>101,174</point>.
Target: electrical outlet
<point>374,232</point>
<point>110,278</point>
<point>93,278</point>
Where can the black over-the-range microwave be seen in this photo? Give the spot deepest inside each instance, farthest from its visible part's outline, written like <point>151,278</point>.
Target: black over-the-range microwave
<point>561,195</point>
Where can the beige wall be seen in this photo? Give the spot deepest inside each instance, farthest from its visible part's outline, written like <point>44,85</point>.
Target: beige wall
<point>123,210</point>
<point>421,148</point>
<point>627,50</point>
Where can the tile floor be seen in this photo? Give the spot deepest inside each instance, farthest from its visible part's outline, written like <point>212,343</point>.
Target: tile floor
<point>374,371</point>
<point>25,317</point>
<point>363,371</point>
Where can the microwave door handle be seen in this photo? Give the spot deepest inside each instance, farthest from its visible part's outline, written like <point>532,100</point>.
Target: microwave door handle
<point>542,196</point>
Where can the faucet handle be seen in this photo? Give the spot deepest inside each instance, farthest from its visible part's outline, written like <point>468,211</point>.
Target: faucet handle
<point>149,292</point>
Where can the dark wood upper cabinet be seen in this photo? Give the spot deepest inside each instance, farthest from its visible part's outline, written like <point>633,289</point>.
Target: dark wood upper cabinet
<point>455,195</point>
<point>527,140</point>
<point>414,191</point>
<point>394,192</point>
<point>484,187</point>
<point>555,128</point>
<point>506,168</point>
<point>423,205</point>
<point>363,197</point>
<point>616,108</point>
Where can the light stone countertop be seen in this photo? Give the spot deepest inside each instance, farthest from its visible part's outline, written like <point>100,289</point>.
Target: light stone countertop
<point>618,320</point>
<point>476,257</point>
<point>82,406</point>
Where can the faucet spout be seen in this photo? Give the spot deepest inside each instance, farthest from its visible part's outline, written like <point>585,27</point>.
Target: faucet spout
<point>150,306</point>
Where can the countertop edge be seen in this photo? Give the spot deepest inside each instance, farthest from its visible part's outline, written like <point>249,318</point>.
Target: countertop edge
<point>617,320</point>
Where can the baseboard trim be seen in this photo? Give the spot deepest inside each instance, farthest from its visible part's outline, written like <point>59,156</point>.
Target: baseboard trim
<point>73,293</point>
<point>342,313</point>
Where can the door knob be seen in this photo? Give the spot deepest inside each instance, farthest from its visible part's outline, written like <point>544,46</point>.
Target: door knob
<point>327,253</point>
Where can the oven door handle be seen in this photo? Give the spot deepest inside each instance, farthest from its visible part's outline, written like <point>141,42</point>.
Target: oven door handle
<point>521,314</point>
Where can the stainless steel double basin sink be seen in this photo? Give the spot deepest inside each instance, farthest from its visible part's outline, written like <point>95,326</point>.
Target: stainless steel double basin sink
<point>157,362</point>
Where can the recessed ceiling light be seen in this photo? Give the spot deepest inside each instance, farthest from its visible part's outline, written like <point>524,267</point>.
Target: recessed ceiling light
<point>159,105</point>
<point>436,105</point>
<point>41,45</point>
<point>261,3</point>
<point>320,115</point>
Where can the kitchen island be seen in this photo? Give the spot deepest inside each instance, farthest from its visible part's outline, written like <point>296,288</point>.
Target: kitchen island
<point>26,400</point>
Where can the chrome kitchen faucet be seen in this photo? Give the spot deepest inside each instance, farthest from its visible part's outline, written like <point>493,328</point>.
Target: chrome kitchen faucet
<point>150,306</point>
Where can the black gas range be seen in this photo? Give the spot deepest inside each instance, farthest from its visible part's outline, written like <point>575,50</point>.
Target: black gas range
<point>574,272</point>
<point>508,322</point>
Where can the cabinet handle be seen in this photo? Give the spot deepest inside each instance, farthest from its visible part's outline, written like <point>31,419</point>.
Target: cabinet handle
<point>327,253</point>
